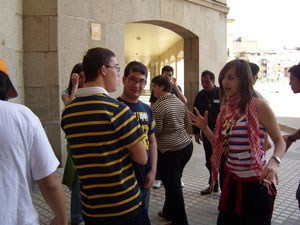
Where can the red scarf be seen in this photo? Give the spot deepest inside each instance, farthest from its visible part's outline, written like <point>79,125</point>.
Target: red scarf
<point>231,110</point>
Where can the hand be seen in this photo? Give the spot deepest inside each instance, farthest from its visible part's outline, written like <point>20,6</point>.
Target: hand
<point>199,121</point>
<point>75,79</point>
<point>174,82</point>
<point>150,177</point>
<point>198,138</point>
<point>270,172</point>
<point>287,141</point>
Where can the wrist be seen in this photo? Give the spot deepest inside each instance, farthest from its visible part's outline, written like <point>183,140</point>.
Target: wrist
<point>276,159</point>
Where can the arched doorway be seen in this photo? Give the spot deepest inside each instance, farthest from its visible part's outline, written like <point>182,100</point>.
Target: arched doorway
<point>159,43</point>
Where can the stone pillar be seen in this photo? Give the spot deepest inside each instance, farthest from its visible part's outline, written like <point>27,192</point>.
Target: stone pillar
<point>41,80</point>
<point>191,71</point>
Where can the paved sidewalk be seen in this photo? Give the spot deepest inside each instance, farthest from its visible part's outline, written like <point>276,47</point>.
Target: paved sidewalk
<point>202,210</point>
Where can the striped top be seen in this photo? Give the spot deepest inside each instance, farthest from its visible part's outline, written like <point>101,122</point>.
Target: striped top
<point>100,130</point>
<point>171,117</point>
<point>239,156</point>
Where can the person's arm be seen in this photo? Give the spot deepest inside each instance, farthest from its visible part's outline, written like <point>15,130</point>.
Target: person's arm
<point>267,119</point>
<point>53,193</point>
<point>289,139</point>
<point>138,153</point>
<point>196,130</point>
<point>178,91</point>
<point>75,81</point>
<point>150,177</point>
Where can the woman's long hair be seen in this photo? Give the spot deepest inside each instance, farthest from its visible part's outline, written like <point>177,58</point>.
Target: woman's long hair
<point>76,69</point>
<point>244,74</point>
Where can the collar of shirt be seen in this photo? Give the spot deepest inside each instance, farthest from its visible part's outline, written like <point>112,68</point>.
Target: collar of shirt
<point>84,92</point>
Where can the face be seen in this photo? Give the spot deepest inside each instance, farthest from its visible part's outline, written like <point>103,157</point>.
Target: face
<point>168,74</point>
<point>231,83</point>
<point>134,85</point>
<point>157,90</point>
<point>207,83</point>
<point>254,79</point>
<point>81,79</point>
<point>294,83</point>
<point>112,75</point>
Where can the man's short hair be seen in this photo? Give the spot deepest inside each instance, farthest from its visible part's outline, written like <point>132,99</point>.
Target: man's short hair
<point>254,69</point>
<point>167,69</point>
<point>210,74</point>
<point>162,80</point>
<point>5,86</point>
<point>135,66</point>
<point>93,60</point>
<point>295,70</point>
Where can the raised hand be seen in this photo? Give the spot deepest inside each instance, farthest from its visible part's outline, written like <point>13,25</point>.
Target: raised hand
<point>198,120</point>
<point>75,80</point>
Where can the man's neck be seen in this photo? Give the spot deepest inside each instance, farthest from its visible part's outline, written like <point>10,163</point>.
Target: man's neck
<point>93,84</point>
<point>127,99</point>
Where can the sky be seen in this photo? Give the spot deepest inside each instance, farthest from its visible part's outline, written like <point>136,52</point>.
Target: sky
<point>274,23</point>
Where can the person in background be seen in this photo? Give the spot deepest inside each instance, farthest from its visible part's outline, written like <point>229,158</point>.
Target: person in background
<point>70,176</point>
<point>76,81</point>
<point>289,139</point>
<point>208,100</point>
<point>174,146</point>
<point>175,89</point>
<point>248,193</point>
<point>134,81</point>
<point>25,155</point>
<point>255,69</point>
<point>105,138</point>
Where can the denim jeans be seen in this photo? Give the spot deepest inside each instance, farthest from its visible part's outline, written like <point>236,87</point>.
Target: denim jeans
<point>146,198</point>
<point>76,216</point>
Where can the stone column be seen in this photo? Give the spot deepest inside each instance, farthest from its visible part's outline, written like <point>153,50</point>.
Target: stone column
<point>41,80</point>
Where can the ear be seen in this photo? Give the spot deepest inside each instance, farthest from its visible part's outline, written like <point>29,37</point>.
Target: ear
<point>102,70</point>
<point>124,79</point>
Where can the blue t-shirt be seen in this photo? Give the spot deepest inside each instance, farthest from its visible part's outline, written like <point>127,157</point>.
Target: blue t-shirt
<point>144,116</point>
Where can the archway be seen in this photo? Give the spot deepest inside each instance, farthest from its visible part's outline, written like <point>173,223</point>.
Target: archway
<point>184,43</point>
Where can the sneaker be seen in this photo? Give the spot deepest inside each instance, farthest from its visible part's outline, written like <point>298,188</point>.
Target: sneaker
<point>206,191</point>
<point>182,184</point>
<point>157,184</point>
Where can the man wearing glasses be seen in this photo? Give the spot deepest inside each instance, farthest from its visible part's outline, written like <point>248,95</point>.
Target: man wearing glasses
<point>105,138</point>
<point>134,81</point>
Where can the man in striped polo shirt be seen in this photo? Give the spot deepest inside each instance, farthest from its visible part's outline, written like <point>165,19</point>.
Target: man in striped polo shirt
<point>104,138</point>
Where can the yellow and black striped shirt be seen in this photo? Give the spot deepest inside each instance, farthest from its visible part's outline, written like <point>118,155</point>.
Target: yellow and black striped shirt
<point>100,130</point>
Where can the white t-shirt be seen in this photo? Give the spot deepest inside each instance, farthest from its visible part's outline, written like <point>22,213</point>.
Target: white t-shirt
<point>25,155</point>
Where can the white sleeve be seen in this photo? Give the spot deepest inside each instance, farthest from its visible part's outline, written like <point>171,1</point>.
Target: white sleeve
<point>43,161</point>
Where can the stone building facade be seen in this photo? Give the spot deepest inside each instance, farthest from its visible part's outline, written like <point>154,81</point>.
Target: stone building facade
<point>41,40</point>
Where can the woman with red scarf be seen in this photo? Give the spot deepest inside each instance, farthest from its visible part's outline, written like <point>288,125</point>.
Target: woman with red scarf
<point>249,193</point>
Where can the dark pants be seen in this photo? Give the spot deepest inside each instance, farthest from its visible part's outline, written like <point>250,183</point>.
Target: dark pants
<point>257,205</point>
<point>140,219</point>
<point>298,195</point>
<point>208,153</point>
<point>170,167</point>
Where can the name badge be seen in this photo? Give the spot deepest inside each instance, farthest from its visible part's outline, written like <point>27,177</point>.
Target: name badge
<point>143,116</point>
<point>216,101</point>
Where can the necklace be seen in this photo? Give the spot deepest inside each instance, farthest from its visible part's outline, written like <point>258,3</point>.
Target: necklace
<point>212,99</point>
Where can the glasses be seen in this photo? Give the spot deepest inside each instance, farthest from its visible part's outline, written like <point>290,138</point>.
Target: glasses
<point>133,80</point>
<point>116,67</point>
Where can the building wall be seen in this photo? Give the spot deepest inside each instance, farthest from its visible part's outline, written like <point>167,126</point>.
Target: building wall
<point>57,33</point>
<point>11,43</point>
